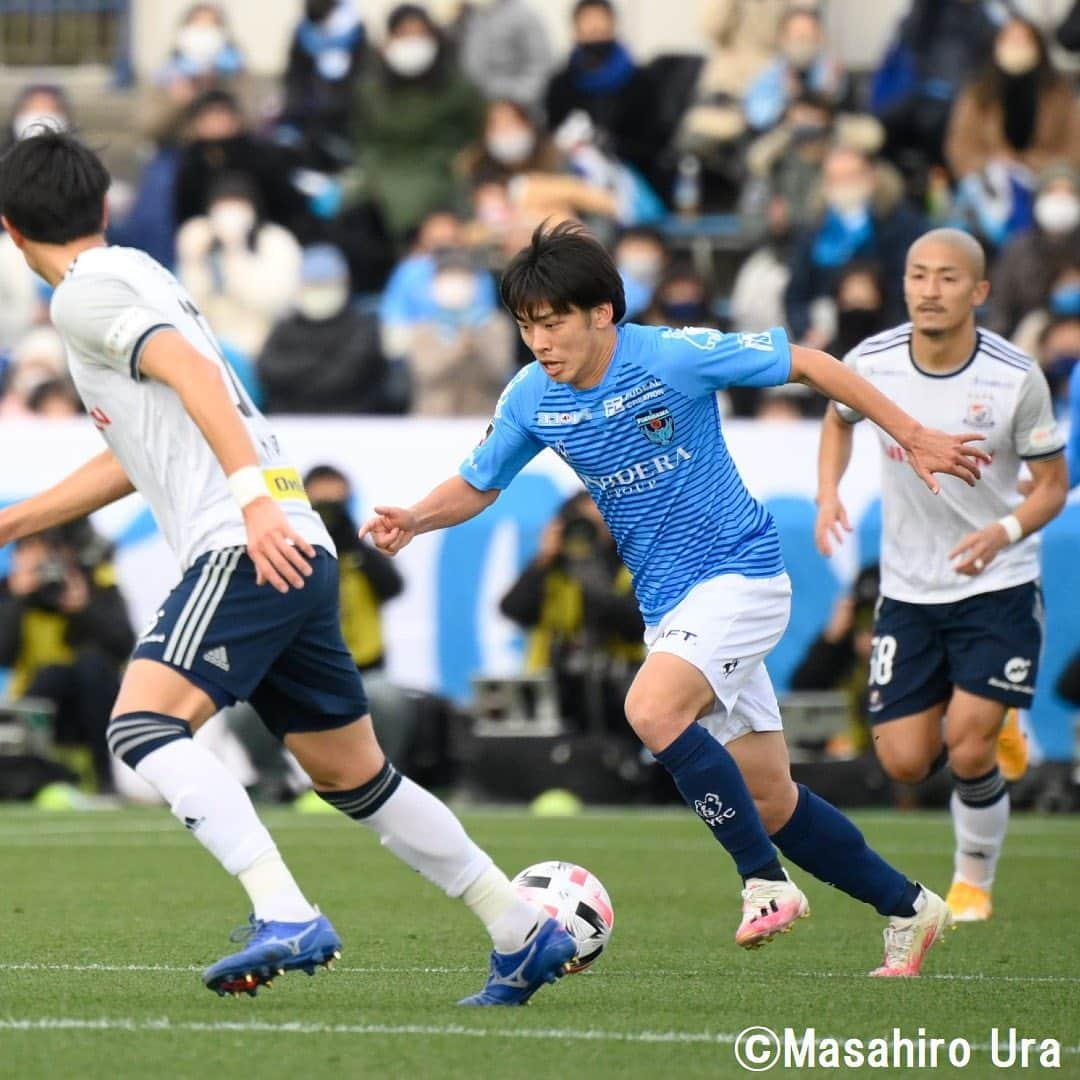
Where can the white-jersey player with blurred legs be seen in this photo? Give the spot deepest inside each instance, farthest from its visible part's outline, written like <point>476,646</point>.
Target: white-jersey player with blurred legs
<point>255,615</point>
<point>958,628</point>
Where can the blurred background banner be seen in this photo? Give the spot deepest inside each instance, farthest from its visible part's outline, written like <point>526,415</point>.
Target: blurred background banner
<point>446,626</point>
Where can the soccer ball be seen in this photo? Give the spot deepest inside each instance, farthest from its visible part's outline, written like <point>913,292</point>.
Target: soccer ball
<point>577,899</point>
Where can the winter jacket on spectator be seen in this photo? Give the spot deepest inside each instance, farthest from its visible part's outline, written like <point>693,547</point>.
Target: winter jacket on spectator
<point>1022,276</point>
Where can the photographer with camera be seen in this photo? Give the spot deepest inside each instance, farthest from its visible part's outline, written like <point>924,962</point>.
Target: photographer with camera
<point>65,632</point>
<point>577,598</point>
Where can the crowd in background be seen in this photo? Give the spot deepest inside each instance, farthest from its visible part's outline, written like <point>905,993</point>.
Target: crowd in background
<point>344,234</point>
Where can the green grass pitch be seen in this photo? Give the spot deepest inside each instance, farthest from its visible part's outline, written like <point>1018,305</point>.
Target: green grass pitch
<point>108,918</point>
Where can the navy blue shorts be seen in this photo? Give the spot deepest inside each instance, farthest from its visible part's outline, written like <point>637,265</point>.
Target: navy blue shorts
<point>239,641</point>
<point>987,644</point>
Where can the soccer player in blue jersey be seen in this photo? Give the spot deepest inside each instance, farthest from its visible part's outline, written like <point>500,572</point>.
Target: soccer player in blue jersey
<point>633,411</point>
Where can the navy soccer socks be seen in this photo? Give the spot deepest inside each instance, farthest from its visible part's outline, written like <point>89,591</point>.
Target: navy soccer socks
<point>826,844</point>
<point>712,786</point>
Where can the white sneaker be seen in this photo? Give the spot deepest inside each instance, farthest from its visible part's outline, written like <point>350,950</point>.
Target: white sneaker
<point>907,941</point>
<point>769,908</point>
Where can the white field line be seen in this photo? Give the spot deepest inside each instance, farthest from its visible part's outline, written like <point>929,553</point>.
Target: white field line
<point>130,1025</point>
<point>31,966</point>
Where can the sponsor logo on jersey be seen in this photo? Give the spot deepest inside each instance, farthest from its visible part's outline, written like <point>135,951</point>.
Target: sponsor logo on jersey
<point>1044,438</point>
<point>980,414</point>
<point>704,338</point>
<point>654,388</point>
<point>657,425</point>
<point>757,342</point>
<point>1017,669</point>
<point>100,418</point>
<point>728,667</point>
<point>685,635</point>
<point>562,419</point>
<point>634,479</point>
<point>285,484</point>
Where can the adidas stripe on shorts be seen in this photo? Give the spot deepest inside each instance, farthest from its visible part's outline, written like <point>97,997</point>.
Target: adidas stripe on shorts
<point>239,641</point>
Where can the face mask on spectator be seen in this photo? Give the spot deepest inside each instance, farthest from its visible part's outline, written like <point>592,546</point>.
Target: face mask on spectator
<point>682,312</point>
<point>1057,212</point>
<point>643,268</point>
<point>412,55</point>
<point>33,123</point>
<point>1058,369</point>
<point>1016,58</point>
<point>322,300</point>
<point>511,147</point>
<point>804,134</point>
<point>200,43</point>
<point>848,198</point>
<point>596,52</point>
<point>801,53</point>
<point>454,290</point>
<point>1065,300</point>
<point>232,219</point>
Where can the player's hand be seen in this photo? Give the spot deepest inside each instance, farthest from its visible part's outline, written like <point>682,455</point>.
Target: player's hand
<point>276,549</point>
<point>931,451</point>
<point>390,529</point>
<point>977,550</point>
<point>831,524</point>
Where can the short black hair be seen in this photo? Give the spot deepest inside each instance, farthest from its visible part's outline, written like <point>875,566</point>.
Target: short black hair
<point>562,268</point>
<point>325,472</point>
<point>584,5</point>
<point>52,188</point>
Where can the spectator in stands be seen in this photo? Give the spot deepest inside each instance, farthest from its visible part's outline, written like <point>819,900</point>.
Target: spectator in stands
<point>803,66</point>
<point>1019,110</point>
<point>461,352</point>
<point>513,144</point>
<point>641,257</point>
<point>682,298</point>
<point>1025,269</point>
<point>839,659</point>
<point>37,360</point>
<point>786,162</point>
<point>741,39</point>
<point>204,57</point>
<point>219,144</point>
<point>326,356</point>
<point>1058,351</point>
<point>860,309</point>
<point>601,79</point>
<point>865,218</point>
<point>325,60</point>
<point>1063,302</point>
<point>415,112</point>
<point>368,577</point>
<point>576,598</point>
<point>757,295</point>
<point>242,270</point>
<point>505,50</point>
<point>939,46</point>
<point>22,300</point>
<point>407,299</point>
<point>54,399</point>
<point>40,105</point>
<point>64,630</point>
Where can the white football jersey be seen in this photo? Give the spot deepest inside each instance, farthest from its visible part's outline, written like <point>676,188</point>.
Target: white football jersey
<point>109,304</point>
<point>1000,393</point>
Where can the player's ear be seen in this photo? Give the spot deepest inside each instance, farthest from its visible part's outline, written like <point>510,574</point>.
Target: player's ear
<point>982,291</point>
<point>602,315</point>
<point>16,236</point>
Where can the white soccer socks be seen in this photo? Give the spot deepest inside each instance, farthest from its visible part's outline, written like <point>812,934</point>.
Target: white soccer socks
<point>980,813</point>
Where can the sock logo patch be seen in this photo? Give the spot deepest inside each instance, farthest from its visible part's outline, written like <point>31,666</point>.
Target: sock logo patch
<point>712,811</point>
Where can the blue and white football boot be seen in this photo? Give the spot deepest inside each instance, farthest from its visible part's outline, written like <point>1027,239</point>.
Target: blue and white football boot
<point>273,948</point>
<point>516,976</point>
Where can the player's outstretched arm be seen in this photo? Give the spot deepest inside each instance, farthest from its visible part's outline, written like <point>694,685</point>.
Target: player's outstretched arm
<point>1046,497</point>
<point>274,546</point>
<point>98,483</point>
<point>928,451</point>
<point>834,453</point>
<point>452,502</point>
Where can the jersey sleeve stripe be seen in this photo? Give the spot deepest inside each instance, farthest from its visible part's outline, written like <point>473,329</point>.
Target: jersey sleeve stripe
<point>137,348</point>
<point>1045,455</point>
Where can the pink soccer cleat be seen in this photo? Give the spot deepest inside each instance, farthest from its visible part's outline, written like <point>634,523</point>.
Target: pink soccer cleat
<point>907,941</point>
<point>769,908</point>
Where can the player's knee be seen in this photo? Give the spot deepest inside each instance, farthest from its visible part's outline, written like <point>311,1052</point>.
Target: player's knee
<point>904,765</point>
<point>656,723</point>
<point>131,736</point>
<point>776,805</point>
<point>972,754</point>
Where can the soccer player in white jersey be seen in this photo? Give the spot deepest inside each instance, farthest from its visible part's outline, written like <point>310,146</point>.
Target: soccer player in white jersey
<point>255,615</point>
<point>634,411</point>
<point>958,628</point>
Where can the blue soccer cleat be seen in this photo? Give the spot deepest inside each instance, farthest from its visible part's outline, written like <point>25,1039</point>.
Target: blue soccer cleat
<point>272,949</point>
<point>516,976</point>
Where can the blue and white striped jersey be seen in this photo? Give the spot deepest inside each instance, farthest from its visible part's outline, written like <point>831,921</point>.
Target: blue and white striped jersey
<point>648,446</point>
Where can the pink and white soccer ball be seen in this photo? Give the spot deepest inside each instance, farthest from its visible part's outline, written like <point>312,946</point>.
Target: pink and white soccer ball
<point>577,899</point>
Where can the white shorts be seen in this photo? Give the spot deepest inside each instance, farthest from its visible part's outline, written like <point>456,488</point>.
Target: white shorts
<point>725,627</point>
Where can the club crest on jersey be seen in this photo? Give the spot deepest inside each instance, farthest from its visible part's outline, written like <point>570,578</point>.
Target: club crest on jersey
<point>980,414</point>
<point>657,425</point>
